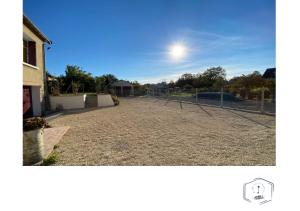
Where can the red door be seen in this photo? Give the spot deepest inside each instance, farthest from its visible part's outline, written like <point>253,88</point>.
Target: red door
<point>27,103</point>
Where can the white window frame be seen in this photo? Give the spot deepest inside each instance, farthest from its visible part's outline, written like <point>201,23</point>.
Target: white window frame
<point>27,39</point>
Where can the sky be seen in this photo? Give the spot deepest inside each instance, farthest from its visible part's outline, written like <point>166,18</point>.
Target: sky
<point>132,38</point>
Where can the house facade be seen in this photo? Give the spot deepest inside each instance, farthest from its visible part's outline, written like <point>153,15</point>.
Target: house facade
<point>34,73</point>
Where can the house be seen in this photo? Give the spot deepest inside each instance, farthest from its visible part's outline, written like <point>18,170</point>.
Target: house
<point>270,73</point>
<point>34,75</point>
<point>123,88</point>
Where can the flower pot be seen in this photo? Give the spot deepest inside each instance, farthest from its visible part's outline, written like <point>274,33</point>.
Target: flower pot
<point>33,146</point>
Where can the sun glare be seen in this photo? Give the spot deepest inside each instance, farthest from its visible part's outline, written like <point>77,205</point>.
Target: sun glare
<point>177,51</point>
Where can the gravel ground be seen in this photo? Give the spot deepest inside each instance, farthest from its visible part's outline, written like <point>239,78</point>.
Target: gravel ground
<point>147,131</point>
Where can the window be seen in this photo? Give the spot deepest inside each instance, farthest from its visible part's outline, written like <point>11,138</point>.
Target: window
<point>29,52</point>
<point>25,51</point>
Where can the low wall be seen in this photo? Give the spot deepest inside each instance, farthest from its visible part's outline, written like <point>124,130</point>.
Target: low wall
<point>105,100</point>
<point>67,102</point>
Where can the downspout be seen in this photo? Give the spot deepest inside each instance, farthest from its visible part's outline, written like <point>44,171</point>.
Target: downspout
<point>46,104</point>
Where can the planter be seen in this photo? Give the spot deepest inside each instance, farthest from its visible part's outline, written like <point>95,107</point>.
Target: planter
<point>66,102</point>
<point>33,146</point>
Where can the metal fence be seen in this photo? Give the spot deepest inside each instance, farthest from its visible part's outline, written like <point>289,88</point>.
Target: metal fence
<point>221,98</point>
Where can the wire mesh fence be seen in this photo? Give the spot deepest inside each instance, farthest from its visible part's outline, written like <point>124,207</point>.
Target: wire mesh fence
<point>260,102</point>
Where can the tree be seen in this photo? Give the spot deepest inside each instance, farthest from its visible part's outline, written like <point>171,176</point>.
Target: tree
<point>185,79</point>
<point>74,74</point>
<point>213,75</point>
<point>245,83</point>
<point>104,82</point>
<point>171,84</point>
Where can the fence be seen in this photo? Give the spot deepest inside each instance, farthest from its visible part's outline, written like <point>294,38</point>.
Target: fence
<point>260,102</point>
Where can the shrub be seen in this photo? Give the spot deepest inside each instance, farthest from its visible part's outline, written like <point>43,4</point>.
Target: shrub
<point>34,123</point>
<point>115,99</point>
<point>187,87</point>
<point>51,159</point>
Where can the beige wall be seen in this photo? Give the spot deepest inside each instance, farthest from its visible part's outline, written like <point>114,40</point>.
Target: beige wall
<point>34,76</point>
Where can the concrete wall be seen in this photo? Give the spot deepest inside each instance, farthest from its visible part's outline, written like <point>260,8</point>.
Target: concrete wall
<point>105,100</point>
<point>67,102</point>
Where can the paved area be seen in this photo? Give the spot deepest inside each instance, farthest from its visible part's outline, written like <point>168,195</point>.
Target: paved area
<point>52,136</point>
<point>148,131</point>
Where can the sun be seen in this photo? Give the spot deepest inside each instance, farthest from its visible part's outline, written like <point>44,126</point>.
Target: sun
<point>177,51</point>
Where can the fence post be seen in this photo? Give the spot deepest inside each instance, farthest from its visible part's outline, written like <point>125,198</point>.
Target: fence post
<point>222,97</point>
<point>196,95</point>
<point>262,100</point>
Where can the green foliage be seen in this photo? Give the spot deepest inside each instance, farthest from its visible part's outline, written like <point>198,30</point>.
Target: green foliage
<point>215,77</point>
<point>212,77</point>
<point>104,82</point>
<point>171,84</point>
<point>75,87</point>
<point>74,75</point>
<point>245,83</point>
<point>51,159</point>
<point>187,87</point>
<point>138,88</point>
<point>185,79</point>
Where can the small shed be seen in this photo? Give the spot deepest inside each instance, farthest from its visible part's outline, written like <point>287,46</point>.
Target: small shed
<point>123,88</point>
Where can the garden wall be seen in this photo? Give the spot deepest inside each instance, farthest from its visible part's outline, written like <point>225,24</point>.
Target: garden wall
<point>67,102</point>
<point>105,100</point>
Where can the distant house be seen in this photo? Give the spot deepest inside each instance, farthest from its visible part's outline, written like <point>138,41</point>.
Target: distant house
<point>123,88</point>
<point>270,73</point>
<point>34,75</point>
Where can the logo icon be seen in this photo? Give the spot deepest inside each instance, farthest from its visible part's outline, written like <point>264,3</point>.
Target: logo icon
<point>258,191</point>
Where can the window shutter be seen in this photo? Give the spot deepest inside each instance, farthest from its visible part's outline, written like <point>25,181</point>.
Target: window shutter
<point>32,53</point>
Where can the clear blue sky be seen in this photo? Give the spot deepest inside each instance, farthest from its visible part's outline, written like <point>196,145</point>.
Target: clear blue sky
<point>131,38</point>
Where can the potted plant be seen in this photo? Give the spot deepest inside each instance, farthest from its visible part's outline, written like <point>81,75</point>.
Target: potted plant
<point>33,143</point>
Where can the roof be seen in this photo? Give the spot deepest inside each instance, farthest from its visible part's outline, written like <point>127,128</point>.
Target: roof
<point>35,29</point>
<point>121,83</point>
<point>270,73</point>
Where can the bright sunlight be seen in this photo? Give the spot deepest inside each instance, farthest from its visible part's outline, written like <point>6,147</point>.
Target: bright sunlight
<point>177,51</point>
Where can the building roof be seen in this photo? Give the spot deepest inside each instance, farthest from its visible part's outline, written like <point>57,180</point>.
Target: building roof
<point>35,29</point>
<point>270,73</point>
<point>121,83</point>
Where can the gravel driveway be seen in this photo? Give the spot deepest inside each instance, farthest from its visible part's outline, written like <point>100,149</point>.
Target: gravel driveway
<point>147,131</point>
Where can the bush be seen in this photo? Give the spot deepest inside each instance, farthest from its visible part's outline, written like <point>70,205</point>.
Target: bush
<point>34,123</point>
<point>115,99</point>
<point>187,87</point>
<point>51,159</point>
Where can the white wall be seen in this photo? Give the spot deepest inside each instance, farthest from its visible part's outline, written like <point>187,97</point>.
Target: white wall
<point>36,101</point>
<point>67,102</point>
<point>105,100</point>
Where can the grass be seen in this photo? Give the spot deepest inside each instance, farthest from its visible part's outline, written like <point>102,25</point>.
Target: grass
<point>51,159</point>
